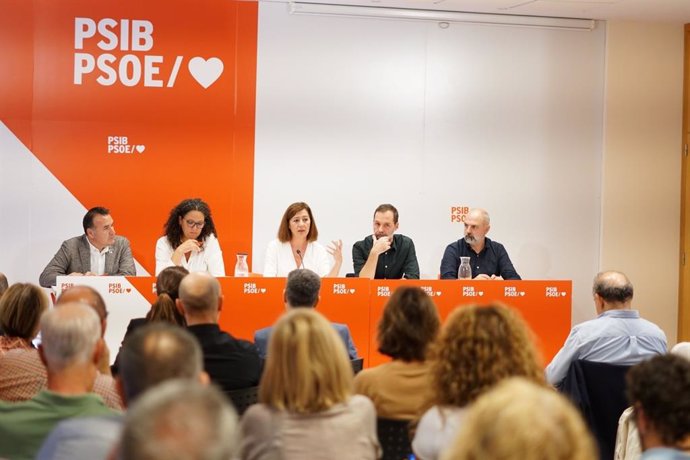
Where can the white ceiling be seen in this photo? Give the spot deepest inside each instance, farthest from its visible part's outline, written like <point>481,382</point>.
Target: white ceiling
<point>669,11</point>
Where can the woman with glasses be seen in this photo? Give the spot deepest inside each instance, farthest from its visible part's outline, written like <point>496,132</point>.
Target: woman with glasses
<point>296,246</point>
<point>190,240</point>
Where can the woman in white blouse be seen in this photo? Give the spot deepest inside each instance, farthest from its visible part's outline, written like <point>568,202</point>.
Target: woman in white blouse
<point>296,246</point>
<point>190,240</point>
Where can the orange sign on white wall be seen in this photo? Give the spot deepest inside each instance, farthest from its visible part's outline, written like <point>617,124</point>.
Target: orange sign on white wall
<point>138,105</point>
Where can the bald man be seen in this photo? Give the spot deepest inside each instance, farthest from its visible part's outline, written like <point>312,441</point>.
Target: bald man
<point>488,259</point>
<point>231,363</point>
<point>616,336</point>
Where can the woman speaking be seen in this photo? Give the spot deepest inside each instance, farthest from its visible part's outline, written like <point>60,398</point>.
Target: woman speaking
<point>296,246</point>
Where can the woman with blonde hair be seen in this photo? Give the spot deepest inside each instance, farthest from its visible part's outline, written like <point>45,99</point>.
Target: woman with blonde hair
<point>522,421</point>
<point>478,347</point>
<point>306,408</point>
<point>21,308</point>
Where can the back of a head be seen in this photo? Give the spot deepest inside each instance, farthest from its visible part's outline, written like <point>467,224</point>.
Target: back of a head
<point>4,284</point>
<point>20,310</point>
<point>307,369</point>
<point>478,347</point>
<point>682,349</point>
<point>86,295</point>
<point>302,288</point>
<point>167,288</point>
<point>199,293</point>
<point>155,353</point>
<point>660,387</point>
<point>69,335</point>
<point>613,287</point>
<point>521,420</point>
<point>409,324</point>
<point>180,419</point>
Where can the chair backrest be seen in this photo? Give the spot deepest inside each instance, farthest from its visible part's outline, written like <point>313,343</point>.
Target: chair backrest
<point>243,398</point>
<point>357,365</point>
<point>394,437</point>
<point>598,390</point>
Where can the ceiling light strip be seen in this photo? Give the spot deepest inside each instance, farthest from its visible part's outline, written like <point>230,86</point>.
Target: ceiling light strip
<point>327,9</point>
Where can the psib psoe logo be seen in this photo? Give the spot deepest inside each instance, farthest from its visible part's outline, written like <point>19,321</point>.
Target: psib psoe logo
<point>342,289</point>
<point>136,67</point>
<point>120,144</point>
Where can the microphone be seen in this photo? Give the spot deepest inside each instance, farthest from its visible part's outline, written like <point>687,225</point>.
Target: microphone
<point>299,253</point>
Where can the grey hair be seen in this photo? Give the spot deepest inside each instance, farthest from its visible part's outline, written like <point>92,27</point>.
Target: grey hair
<point>199,292</point>
<point>485,215</point>
<point>155,353</point>
<point>180,420</point>
<point>613,287</point>
<point>302,288</point>
<point>69,334</point>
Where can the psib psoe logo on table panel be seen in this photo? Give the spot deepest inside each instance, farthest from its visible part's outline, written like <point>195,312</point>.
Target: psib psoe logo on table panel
<point>134,65</point>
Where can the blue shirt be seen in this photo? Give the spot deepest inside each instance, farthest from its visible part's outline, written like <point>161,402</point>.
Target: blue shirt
<point>664,453</point>
<point>492,260</point>
<point>614,337</point>
<point>262,335</point>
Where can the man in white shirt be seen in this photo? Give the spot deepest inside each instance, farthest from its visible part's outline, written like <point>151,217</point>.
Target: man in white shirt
<point>97,252</point>
<point>616,336</point>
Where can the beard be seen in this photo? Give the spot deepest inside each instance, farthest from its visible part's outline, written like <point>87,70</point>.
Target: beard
<point>470,239</point>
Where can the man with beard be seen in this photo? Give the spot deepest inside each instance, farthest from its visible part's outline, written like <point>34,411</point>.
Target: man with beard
<point>488,259</point>
<point>385,255</point>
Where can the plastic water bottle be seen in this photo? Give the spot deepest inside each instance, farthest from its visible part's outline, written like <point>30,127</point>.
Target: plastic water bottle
<point>241,268</point>
<point>464,271</point>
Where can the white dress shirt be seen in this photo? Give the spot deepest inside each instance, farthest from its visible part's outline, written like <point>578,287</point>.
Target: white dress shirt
<point>98,259</point>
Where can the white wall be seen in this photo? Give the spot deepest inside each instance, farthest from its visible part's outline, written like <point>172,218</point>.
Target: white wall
<point>355,112</point>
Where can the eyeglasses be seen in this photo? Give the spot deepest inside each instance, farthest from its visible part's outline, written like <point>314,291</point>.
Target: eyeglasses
<point>192,224</point>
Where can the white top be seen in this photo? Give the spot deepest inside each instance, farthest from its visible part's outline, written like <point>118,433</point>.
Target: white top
<point>279,260</point>
<point>97,259</point>
<point>437,430</point>
<point>209,259</point>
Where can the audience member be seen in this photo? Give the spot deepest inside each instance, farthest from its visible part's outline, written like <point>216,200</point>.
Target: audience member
<point>23,375</point>
<point>478,347</point>
<point>302,291</point>
<point>231,363</point>
<point>164,308</point>
<point>408,326</point>
<point>3,284</point>
<point>153,354</point>
<point>21,308</point>
<point>519,420</point>
<point>70,349</point>
<point>306,408</point>
<point>628,438</point>
<point>616,336</point>
<point>180,419</point>
<point>659,391</point>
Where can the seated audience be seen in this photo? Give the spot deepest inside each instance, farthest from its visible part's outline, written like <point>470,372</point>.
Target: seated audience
<point>70,349</point>
<point>153,354</point>
<point>307,409</point>
<point>21,308</point>
<point>408,326</point>
<point>231,363</point>
<point>23,375</point>
<point>478,347</point>
<point>519,420</point>
<point>302,291</point>
<point>616,336</point>
<point>3,284</point>
<point>180,419</point>
<point>164,308</point>
<point>628,438</point>
<point>659,391</point>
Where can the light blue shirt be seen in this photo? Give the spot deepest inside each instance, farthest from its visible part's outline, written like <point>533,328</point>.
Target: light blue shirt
<point>664,453</point>
<point>91,438</point>
<point>614,337</point>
